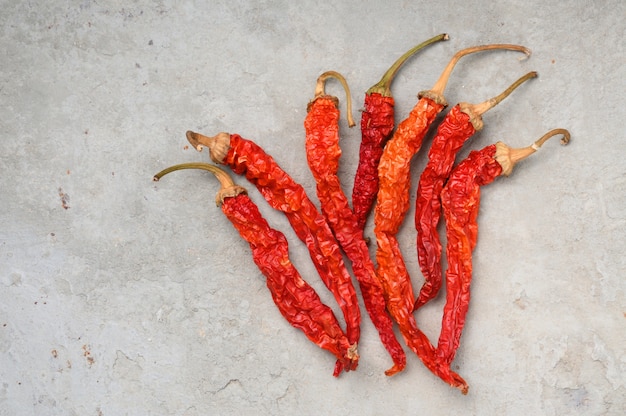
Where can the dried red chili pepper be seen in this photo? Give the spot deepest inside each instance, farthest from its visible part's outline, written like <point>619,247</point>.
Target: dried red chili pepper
<point>377,123</point>
<point>296,300</point>
<point>323,153</point>
<point>284,194</point>
<point>393,169</point>
<point>463,120</point>
<point>460,200</point>
<point>392,203</point>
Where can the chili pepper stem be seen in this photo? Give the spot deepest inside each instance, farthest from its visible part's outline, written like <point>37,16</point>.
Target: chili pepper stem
<point>508,157</point>
<point>229,189</point>
<point>383,87</point>
<point>482,108</point>
<point>441,83</point>
<point>218,145</point>
<point>320,91</point>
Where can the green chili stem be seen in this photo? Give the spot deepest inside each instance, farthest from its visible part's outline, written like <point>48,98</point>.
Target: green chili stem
<point>320,91</point>
<point>383,87</point>
<point>483,107</point>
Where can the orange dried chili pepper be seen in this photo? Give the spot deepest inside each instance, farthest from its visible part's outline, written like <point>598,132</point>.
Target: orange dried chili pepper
<point>284,194</point>
<point>296,300</point>
<point>377,124</point>
<point>392,203</point>
<point>323,154</point>
<point>463,120</point>
<point>460,200</point>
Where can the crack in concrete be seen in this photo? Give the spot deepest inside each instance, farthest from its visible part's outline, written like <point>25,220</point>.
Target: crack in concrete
<point>228,383</point>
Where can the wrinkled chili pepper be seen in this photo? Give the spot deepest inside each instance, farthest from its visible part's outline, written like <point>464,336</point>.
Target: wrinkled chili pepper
<point>392,203</point>
<point>393,169</point>
<point>463,120</point>
<point>296,300</point>
<point>284,194</point>
<point>460,200</point>
<point>323,153</point>
<point>377,123</point>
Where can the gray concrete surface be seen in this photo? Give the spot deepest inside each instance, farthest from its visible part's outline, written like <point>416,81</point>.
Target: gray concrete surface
<point>119,296</point>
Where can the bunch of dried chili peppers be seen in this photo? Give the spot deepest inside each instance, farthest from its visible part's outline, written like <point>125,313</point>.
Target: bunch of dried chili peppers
<point>382,181</point>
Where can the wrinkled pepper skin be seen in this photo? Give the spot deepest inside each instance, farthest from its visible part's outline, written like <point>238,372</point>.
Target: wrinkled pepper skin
<point>296,300</point>
<point>377,124</point>
<point>463,120</point>
<point>282,193</point>
<point>323,154</point>
<point>391,207</point>
<point>400,305</point>
<point>392,202</point>
<point>460,200</point>
<point>452,133</point>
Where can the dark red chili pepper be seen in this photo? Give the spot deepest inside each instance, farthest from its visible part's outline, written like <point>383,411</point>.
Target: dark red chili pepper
<point>392,203</point>
<point>284,194</point>
<point>323,153</point>
<point>460,200</point>
<point>296,300</point>
<point>377,123</point>
<point>463,120</point>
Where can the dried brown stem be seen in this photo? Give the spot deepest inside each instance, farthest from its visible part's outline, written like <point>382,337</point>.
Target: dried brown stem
<point>218,145</point>
<point>320,91</point>
<point>508,157</point>
<point>485,106</point>
<point>228,189</point>
<point>441,83</point>
<point>475,111</point>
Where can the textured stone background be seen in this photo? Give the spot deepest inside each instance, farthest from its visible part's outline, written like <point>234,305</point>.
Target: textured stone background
<point>119,296</point>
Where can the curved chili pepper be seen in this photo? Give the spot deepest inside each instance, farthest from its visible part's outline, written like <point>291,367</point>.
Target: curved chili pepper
<point>284,194</point>
<point>296,300</point>
<point>463,120</point>
<point>460,200</point>
<point>392,203</point>
<point>377,123</point>
<point>323,153</point>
